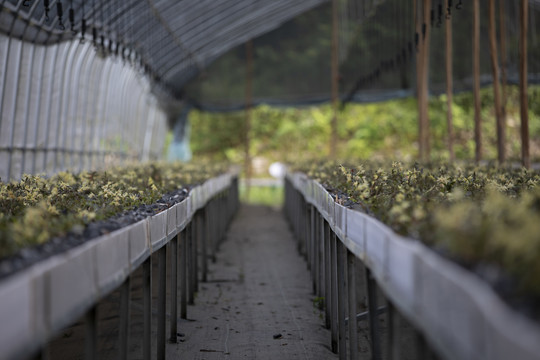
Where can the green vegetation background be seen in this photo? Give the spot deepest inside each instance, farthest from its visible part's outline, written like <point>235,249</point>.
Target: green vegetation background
<point>386,130</point>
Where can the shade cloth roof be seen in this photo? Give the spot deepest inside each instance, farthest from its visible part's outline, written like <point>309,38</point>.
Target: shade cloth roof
<point>172,40</point>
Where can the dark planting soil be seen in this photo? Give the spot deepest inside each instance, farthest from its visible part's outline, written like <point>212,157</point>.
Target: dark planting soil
<point>79,235</point>
<point>503,283</point>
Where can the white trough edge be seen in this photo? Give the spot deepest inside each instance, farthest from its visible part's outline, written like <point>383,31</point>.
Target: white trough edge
<point>158,230</point>
<point>457,311</point>
<point>37,302</point>
<point>16,299</point>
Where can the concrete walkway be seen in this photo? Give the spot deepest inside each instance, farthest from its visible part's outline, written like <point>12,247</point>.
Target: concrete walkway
<point>257,303</point>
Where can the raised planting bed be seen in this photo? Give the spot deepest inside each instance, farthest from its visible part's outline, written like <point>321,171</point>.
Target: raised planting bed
<point>60,282</point>
<point>452,296</point>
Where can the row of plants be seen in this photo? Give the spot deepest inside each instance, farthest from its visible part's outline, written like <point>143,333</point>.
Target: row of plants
<point>485,218</point>
<point>37,208</point>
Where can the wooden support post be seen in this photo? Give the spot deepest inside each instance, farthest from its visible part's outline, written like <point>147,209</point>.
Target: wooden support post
<point>496,90</point>
<point>249,104</point>
<point>523,83</point>
<point>334,73</point>
<point>419,92</point>
<point>423,32</point>
<point>449,85</point>
<point>476,77</point>
<point>504,61</point>
<point>425,75</point>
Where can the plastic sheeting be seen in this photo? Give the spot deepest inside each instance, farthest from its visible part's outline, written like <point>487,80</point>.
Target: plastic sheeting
<point>64,107</point>
<point>179,149</point>
<point>88,83</point>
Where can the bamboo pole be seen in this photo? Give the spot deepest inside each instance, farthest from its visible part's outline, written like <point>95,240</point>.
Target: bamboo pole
<point>334,80</point>
<point>494,55</point>
<point>449,85</point>
<point>249,104</point>
<point>523,84</point>
<point>476,77</point>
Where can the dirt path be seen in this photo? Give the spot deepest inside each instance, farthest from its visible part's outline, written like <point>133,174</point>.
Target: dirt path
<point>257,303</point>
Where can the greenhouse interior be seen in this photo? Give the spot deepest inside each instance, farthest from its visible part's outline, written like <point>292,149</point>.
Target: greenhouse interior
<point>248,179</point>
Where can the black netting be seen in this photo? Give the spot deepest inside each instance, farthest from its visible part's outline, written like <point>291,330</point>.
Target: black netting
<point>378,48</point>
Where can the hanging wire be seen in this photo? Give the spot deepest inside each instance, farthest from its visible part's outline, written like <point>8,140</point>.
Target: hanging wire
<point>72,18</point>
<point>102,26</point>
<point>83,24</point>
<point>117,26</point>
<point>432,15</point>
<point>129,56</point>
<point>94,26</point>
<point>46,4</point>
<point>60,13</point>
<point>440,14</point>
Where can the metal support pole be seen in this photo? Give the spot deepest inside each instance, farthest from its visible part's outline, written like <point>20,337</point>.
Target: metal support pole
<point>43,354</point>
<point>90,339</point>
<point>147,308</point>
<point>308,234</point>
<point>372,316</point>
<point>320,249</point>
<point>191,265</point>
<point>394,349</point>
<point>123,337</point>
<point>341,305</point>
<point>183,273</point>
<point>316,257</point>
<point>196,258</point>
<point>422,352</point>
<point>201,236</point>
<point>216,208</point>
<point>312,251</point>
<point>173,249</point>
<point>161,302</point>
<point>327,277</point>
<point>353,325</point>
<point>208,232</point>
<point>334,290</point>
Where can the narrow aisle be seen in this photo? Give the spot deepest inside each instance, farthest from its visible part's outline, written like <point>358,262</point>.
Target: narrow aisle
<point>257,303</point>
